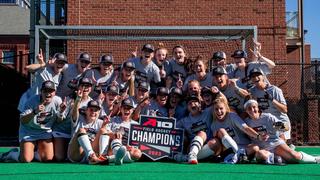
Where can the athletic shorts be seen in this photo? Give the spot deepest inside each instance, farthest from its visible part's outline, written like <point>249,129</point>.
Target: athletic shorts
<point>35,137</point>
<point>57,134</point>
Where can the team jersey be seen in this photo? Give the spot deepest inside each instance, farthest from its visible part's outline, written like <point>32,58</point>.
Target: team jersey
<point>98,80</point>
<point>175,67</point>
<point>234,99</point>
<point>147,73</point>
<point>234,126</point>
<point>243,75</point>
<point>154,109</point>
<point>65,125</point>
<point>266,105</point>
<point>264,125</point>
<point>40,76</point>
<point>91,128</point>
<point>206,81</point>
<point>118,125</point>
<point>41,122</point>
<point>194,124</point>
<point>70,73</point>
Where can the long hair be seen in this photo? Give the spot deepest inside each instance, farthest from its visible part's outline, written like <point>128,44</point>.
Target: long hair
<point>220,100</point>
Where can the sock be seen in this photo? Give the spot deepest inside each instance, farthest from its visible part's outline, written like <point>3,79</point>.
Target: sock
<point>205,152</point>
<point>228,142</point>
<point>306,158</point>
<point>37,156</point>
<point>270,159</point>
<point>127,158</point>
<point>115,145</point>
<point>103,144</point>
<point>196,145</point>
<point>84,142</point>
<point>111,158</point>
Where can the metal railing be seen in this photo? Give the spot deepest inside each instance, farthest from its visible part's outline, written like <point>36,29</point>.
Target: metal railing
<point>292,23</point>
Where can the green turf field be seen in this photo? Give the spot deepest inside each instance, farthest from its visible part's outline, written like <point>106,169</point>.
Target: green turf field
<point>160,170</point>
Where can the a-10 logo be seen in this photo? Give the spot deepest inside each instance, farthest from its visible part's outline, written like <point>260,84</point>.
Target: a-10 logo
<point>156,137</point>
<point>152,122</point>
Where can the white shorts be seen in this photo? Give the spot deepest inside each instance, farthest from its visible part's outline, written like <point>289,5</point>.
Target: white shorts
<point>272,145</point>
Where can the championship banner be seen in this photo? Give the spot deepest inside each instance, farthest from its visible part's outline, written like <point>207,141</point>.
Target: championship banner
<point>156,137</point>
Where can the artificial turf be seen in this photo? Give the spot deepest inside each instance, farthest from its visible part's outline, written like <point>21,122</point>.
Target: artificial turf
<point>160,170</point>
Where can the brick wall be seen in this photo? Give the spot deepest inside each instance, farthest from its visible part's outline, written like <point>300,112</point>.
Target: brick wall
<point>267,15</point>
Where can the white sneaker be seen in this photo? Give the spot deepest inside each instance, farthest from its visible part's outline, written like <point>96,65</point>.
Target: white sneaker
<point>192,158</point>
<point>120,155</point>
<point>318,159</point>
<point>180,158</point>
<point>270,159</point>
<point>231,158</point>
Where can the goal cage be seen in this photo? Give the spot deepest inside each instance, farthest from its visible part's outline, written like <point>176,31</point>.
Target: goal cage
<point>120,41</point>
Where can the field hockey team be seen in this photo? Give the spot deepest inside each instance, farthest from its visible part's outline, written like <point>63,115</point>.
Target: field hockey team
<point>229,111</point>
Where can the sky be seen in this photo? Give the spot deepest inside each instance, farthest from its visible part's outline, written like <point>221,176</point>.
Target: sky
<point>311,23</point>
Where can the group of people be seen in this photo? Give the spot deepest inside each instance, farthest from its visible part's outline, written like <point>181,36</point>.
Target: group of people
<point>79,113</point>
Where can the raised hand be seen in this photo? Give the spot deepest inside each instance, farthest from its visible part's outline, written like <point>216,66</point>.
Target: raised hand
<point>40,57</point>
<point>179,83</point>
<point>162,72</point>
<point>135,52</point>
<point>40,108</point>
<point>63,105</point>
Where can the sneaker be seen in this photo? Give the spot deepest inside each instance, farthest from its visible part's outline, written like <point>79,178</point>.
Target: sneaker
<point>242,156</point>
<point>180,158</point>
<point>93,159</point>
<point>231,158</point>
<point>5,157</point>
<point>270,159</point>
<point>278,160</point>
<point>192,158</point>
<point>318,159</point>
<point>120,155</point>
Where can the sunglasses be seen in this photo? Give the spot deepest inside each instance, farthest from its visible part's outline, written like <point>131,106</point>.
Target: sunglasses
<point>106,64</point>
<point>143,90</point>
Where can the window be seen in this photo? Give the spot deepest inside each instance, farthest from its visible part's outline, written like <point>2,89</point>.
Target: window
<point>8,57</point>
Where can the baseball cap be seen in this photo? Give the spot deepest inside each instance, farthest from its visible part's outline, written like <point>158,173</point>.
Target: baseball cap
<point>84,57</point>
<point>162,91</point>
<point>60,57</point>
<point>218,71</point>
<point>144,85</point>
<point>239,54</point>
<point>127,102</point>
<point>219,55</point>
<point>148,48</point>
<point>48,85</point>
<point>106,59</point>
<point>85,81</point>
<point>255,71</point>
<point>128,64</point>
<point>112,89</point>
<point>93,103</point>
<point>176,90</point>
<point>206,90</point>
<point>193,98</point>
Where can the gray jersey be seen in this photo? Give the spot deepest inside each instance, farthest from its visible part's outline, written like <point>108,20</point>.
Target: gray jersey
<point>91,128</point>
<point>41,122</point>
<point>118,125</point>
<point>194,124</point>
<point>65,125</point>
<point>266,105</point>
<point>175,67</point>
<point>70,72</point>
<point>234,126</point>
<point>264,125</point>
<point>154,109</point>
<point>206,81</point>
<point>243,76</point>
<point>147,73</point>
<point>234,99</point>
<point>98,80</point>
